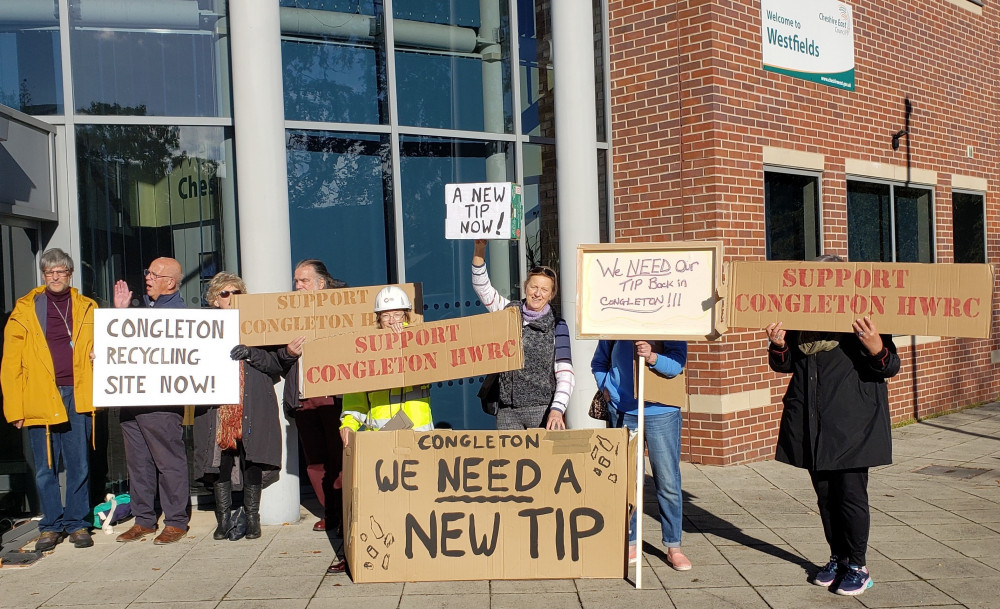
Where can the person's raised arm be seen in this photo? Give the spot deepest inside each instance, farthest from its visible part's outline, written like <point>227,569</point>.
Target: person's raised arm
<point>488,295</point>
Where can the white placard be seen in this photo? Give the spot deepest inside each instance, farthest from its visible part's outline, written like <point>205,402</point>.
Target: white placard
<point>165,357</point>
<point>486,210</point>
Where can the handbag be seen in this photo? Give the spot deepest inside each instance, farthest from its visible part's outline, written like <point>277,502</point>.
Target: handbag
<point>489,394</point>
<point>599,406</point>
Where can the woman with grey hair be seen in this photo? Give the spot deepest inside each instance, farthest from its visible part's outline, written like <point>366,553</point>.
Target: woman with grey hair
<point>241,442</point>
<point>48,386</point>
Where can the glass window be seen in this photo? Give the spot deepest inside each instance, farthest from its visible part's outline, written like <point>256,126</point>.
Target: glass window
<point>334,61</point>
<point>150,191</point>
<point>889,223</point>
<point>968,213</point>
<point>534,39</point>
<point>30,68</point>
<point>601,102</point>
<point>453,64</point>
<point>791,214</point>
<point>541,210</point>
<point>443,266</point>
<point>340,204</point>
<point>165,58</point>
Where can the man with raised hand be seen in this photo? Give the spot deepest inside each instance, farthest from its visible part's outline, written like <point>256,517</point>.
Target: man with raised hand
<point>154,436</point>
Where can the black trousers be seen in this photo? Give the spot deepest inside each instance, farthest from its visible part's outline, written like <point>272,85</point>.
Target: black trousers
<point>157,461</point>
<point>842,496</point>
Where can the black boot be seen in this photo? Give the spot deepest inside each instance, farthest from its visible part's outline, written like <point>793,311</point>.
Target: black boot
<point>223,509</point>
<point>251,501</point>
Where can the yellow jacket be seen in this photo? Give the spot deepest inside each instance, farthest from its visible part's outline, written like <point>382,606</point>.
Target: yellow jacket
<point>374,408</point>
<point>27,375</point>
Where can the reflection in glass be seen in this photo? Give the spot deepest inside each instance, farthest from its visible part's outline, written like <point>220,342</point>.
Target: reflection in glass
<point>30,65</point>
<point>150,191</point>
<point>334,61</point>
<point>914,224</point>
<point>968,234</point>
<point>165,58</point>
<point>340,204</point>
<point>869,223</point>
<point>598,10</point>
<point>541,210</point>
<point>791,213</point>
<point>453,65</point>
<point>537,104</point>
<point>444,266</point>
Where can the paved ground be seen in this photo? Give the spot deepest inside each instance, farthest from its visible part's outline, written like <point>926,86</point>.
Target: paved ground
<point>751,531</point>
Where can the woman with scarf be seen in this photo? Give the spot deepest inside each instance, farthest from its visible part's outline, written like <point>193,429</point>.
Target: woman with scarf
<point>241,441</point>
<point>538,393</point>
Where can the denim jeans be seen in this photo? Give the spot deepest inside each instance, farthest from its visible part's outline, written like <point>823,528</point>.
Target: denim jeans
<point>70,442</point>
<point>663,439</point>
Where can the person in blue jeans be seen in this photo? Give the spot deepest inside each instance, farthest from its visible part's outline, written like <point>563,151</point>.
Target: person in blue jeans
<point>613,369</point>
<point>48,386</point>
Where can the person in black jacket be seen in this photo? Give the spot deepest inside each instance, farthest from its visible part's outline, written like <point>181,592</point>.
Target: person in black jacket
<point>241,442</point>
<point>835,424</point>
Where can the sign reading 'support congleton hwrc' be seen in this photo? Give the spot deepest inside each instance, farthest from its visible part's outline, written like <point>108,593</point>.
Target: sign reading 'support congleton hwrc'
<point>811,40</point>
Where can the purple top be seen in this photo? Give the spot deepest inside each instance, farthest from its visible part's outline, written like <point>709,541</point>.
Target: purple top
<point>58,325</point>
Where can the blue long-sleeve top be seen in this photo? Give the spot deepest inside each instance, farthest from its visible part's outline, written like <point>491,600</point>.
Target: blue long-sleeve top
<point>613,369</point>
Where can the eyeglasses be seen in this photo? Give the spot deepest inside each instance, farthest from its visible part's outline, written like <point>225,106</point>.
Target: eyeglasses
<point>228,293</point>
<point>392,316</point>
<point>147,273</point>
<point>57,273</point>
<point>542,270</point>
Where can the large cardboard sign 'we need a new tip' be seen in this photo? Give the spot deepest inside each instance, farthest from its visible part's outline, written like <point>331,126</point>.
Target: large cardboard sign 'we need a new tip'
<point>903,298</point>
<point>478,505</point>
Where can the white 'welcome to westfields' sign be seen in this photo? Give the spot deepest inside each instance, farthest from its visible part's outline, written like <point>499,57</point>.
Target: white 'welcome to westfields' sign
<point>812,40</point>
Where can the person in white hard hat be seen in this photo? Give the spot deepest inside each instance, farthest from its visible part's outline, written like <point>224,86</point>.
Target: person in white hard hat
<point>373,409</point>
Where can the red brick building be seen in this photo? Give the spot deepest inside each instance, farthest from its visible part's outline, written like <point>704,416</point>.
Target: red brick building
<point>709,145</point>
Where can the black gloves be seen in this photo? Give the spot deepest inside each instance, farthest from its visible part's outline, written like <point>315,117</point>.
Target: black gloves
<point>240,352</point>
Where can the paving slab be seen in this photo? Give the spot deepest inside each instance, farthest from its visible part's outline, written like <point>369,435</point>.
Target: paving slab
<point>718,598</point>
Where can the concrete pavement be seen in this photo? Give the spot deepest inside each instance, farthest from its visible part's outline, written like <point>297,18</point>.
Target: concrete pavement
<point>751,531</point>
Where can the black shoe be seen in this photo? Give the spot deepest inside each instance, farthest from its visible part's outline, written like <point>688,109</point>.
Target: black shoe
<point>223,509</point>
<point>81,539</point>
<point>49,540</point>
<point>251,501</point>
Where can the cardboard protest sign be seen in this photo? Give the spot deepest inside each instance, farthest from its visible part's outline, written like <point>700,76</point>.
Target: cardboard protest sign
<point>476,505</point>
<point>421,353</point>
<point>648,290</point>
<point>165,357</point>
<point>902,298</point>
<point>486,210</point>
<point>277,319</point>
<point>663,390</point>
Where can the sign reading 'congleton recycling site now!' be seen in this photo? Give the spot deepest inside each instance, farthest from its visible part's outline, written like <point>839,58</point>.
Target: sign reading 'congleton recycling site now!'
<point>813,40</point>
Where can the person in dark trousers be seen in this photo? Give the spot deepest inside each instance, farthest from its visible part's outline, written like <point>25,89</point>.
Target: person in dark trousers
<point>835,424</point>
<point>154,436</point>
<point>317,419</point>
<point>48,386</point>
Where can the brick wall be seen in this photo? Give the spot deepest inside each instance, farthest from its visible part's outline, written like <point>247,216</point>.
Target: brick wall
<point>692,110</point>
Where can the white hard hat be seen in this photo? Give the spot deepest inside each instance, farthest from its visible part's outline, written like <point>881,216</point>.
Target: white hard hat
<point>391,298</point>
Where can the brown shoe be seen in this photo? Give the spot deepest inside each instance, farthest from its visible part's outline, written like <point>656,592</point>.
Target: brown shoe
<point>136,533</point>
<point>169,535</point>
<point>81,539</point>
<point>337,567</point>
<point>320,525</point>
<point>49,540</point>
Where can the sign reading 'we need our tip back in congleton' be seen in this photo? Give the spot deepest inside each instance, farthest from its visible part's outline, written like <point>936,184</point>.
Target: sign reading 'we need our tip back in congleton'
<point>485,210</point>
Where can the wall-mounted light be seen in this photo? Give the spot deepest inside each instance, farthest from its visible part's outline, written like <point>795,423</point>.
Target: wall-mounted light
<point>896,136</point>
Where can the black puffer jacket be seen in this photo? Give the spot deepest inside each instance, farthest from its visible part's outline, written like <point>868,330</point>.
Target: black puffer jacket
<point>836,413</point>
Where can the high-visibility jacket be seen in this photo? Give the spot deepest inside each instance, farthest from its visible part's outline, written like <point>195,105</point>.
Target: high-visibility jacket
<point>373,409</point>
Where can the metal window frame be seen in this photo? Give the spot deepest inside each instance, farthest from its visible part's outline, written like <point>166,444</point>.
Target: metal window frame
<point>892,208</point>
<point>982,195</point>
<point>820,224</point>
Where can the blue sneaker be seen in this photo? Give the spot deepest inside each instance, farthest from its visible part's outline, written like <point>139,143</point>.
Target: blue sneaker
<point>856,581</point>
<point>827,574</point>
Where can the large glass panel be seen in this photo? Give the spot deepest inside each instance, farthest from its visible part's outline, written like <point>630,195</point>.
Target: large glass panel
<point>453,64</point>
<point>599,69</point>
<point>541,209</point>
<point>333,58</point>
<point>791,214</point>
<point>968,213</point>
<point>603,213</point>
<point>444,266</point>
<point>914,224</point>
<point>164,58</point>
<point>150,191</point>
<point>869,222</point>
<point>30,65</point>
<point>340,204</point>
<point>534,39</point>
